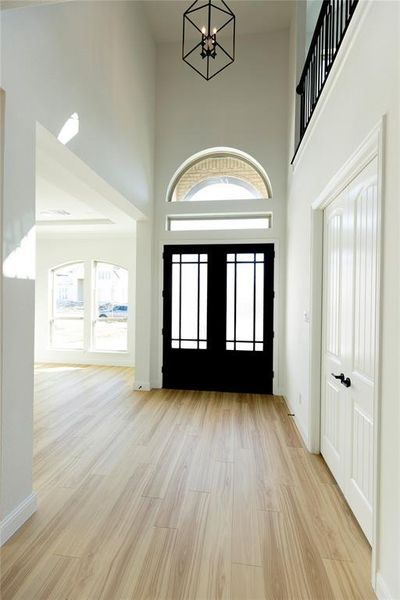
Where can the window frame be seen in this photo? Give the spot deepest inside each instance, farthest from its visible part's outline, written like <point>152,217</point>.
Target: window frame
<point>219,217</point>
<point>88,316</point>
<point>217,153</point>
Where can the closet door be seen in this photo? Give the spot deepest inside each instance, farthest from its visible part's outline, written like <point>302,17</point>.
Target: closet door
<point>349,340</point>
<point>361,312</point>
<point>333,393</point>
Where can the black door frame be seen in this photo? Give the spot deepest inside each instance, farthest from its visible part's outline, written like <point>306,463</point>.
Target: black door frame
<point>200,244</point>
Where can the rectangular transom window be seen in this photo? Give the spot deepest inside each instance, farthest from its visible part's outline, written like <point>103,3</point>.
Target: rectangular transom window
<point>189,301</point>
<point>219,223</point>
<point>245,301</point>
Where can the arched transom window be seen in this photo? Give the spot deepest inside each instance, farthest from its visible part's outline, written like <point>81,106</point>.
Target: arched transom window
<point>220,175</point>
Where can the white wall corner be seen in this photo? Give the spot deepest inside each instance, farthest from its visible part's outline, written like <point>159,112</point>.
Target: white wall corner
<point>16,518</point>
<point>156,384</point>
<point>381,589</point>
<point>142,386</point>
<point>303,434</point>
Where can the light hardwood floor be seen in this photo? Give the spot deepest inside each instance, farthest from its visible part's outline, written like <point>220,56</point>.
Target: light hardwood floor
<point>177,495</point>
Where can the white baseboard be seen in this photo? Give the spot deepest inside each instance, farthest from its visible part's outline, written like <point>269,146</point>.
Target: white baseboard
<point>142,386</point>
<point>381,589</point>
<point>16,518</point>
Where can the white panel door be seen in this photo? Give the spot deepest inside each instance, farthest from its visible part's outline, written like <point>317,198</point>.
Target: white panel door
<point>333,400</point>
<point>361,307</point>
<point>349,340</point>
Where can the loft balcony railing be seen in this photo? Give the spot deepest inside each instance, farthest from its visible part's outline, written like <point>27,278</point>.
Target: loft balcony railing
<point>331,27</point>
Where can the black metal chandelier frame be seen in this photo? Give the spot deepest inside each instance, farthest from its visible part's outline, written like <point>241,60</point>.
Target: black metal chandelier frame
<point>208,45</point>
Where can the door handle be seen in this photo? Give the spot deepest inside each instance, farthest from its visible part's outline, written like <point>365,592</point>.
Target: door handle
<point>341,377</point>
<point>346,381</point>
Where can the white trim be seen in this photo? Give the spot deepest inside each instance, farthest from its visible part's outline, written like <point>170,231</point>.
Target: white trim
<point>142,386</point>
<point>79,357</point>
<point>371,147</point>
<point>277,384</point>
<point>355,26</point>
<point>17,517</point>
<point>367,150</point>
<point>316,271</point>
<point>2,135</point>
<point>381,589</point>
<point>379,141</point>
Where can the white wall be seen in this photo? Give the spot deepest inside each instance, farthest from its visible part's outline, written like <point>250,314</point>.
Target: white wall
<point>96,59</point>
<point>313,8</point>
<point>245,107</point>
<point>367,88</point>
<point>51,252</point>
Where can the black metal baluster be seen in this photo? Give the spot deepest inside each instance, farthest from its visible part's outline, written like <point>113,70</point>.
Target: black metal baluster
<point>331,27</point>
<point>326,24</point>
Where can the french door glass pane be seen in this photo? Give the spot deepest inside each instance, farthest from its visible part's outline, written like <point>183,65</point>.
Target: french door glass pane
<point>203,305</point>
<point>244,346</point>
<point>189,301</point>
<point>176,278</point>
<point>245,257</point>
<point>259,320</point>
<point>189,312</point>
<point>245,302</point>
<point>230,304</point>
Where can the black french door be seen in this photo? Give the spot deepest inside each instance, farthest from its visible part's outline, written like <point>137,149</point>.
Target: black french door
<point>218,317</point>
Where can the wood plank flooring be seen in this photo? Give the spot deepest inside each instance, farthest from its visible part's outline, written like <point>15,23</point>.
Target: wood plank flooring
<point>177,495</point>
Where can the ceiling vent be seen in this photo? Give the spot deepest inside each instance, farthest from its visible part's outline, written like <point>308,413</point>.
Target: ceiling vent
<point>54,212</point>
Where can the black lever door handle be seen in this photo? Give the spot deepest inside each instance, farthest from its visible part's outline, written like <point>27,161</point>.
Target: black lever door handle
<point>346,382</point>
<point>341,377</point>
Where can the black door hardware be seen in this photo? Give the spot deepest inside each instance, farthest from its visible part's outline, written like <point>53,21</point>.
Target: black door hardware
<point>341,377</point>
<point>346,382</point>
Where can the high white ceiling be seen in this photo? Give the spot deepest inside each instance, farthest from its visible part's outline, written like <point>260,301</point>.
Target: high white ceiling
<point>252,16</point>
<point>9,4</point>
<point>165,16</point>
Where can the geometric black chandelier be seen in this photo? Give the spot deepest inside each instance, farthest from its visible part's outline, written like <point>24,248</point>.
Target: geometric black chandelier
<point>208,40</point>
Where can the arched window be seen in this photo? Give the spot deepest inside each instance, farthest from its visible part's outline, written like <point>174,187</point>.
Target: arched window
<point>78,324</point>
<point>68,306</point>
<point>219,174</point>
